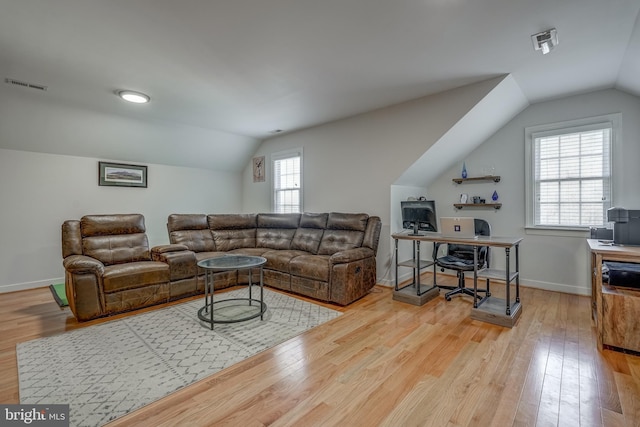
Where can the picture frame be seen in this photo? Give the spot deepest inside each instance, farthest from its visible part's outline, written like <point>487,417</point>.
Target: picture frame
<point>464,198</point>
<point>258,169</point>
<point>122,175</point>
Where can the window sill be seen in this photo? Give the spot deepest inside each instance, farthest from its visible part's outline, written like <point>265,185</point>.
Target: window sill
<point>581,233</point>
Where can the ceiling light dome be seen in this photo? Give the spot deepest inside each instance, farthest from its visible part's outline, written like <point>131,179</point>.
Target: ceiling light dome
<point>135,97</point>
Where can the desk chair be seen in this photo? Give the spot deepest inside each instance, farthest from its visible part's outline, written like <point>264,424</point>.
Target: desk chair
<point>460,259</point>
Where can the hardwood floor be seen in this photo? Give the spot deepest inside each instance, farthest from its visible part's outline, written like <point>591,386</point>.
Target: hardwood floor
<point>386,363</point>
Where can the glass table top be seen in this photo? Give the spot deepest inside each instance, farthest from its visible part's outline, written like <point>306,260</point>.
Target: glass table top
<point>232,262</point>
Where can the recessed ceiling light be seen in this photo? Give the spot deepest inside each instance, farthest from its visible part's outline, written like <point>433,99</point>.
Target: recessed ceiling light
<point>135,97</point>
<point>276,131</point>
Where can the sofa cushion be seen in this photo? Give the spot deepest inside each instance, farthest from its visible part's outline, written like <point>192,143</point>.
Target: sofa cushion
<point>307,239</point>
<point>227,240</point>
<point>134,275</point>
<point>106,225</point>
<point>117,249</point>
<point>347,221</point>
<point>310,266</point>
<point>232,221</point>
<point>314,220</point>
<point>191,230</point>
<point>195,240</point>
<point>280,259</point>
<point>340,240</point>
<point>274,238</point>
<point>274,220</point>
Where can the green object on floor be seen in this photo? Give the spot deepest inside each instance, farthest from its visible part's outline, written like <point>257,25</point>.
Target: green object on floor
<point>59,294</point>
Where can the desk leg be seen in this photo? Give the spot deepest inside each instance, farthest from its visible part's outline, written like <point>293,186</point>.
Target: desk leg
<point>416,271</point>
<point>396,252</point>
<point>475,276</point>
<point>518,276</point>
<point>508,285</point>
<point>435,266</point>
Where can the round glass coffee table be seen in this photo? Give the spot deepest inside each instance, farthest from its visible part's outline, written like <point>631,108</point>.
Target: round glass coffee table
<point>231,310</point>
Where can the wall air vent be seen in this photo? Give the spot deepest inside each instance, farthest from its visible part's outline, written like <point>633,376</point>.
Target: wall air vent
<point>24,84</point>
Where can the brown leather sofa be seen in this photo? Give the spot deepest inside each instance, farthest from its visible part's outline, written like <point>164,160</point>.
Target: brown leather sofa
<point>326,256</point>
<point>109,267</point>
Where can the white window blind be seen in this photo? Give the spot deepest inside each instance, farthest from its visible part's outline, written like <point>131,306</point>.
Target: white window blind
<point>287,182</point>
<point>572,176</point>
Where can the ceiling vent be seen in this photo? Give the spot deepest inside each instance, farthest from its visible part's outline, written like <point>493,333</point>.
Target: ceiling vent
<point>25,84</point>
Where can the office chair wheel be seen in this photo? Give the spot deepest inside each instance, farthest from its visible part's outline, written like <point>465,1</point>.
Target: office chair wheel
<point>447,298</point>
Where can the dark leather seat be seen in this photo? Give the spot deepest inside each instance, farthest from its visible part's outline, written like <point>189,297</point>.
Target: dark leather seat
<point>460,259</point>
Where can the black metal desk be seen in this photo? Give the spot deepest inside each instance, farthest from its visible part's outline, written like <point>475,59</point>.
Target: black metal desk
<point>500,311</point>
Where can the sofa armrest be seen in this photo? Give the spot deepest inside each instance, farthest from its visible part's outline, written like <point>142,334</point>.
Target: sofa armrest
<point>181,260</point>
<point>82,264</point>
<point>351,255</point>
<point>162,249</point>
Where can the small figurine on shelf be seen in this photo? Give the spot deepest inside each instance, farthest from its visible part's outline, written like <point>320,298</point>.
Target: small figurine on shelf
<point>464,170</point>
<point>494,196</point>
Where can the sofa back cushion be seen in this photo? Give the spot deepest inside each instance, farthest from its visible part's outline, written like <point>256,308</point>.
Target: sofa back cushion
<point>233,231</point>
<point>71,238</point>
<point>275,231</point>
<point>308,236</point>
<point>191,230</point>
<point>344,231</point>
<point>115,239</point>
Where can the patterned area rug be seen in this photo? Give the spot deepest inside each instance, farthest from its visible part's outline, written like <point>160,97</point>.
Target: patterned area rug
<point>108,370</point>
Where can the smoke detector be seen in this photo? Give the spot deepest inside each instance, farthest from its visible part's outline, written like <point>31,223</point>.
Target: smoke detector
<point>545,41</point>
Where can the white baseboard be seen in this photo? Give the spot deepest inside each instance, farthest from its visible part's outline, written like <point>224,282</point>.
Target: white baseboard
<point>548,286</point>
<point>30,285</point>
<point>557,287</point>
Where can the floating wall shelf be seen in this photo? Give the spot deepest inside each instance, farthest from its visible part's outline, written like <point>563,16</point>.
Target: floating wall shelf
<point>494,178</point>
<point>477,205</point>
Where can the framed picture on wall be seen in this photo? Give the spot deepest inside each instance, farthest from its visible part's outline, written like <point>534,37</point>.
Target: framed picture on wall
<point>258,169</point>
<point>122,175</point>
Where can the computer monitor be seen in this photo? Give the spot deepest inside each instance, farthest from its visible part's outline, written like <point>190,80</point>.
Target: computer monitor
<point>419,215</point>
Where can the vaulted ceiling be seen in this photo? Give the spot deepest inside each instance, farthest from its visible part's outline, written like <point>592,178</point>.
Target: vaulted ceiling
<point>249,67</point>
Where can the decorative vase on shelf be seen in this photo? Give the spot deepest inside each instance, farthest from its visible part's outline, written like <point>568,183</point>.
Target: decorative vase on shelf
<point>464,170</point>
<point>494,196</point>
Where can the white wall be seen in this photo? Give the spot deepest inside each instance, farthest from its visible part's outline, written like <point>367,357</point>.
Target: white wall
<point>39,191</point>
<point>350,165</point>
<point>549,262</point>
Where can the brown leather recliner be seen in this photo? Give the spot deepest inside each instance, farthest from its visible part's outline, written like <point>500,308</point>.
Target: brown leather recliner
<point>109,267</point>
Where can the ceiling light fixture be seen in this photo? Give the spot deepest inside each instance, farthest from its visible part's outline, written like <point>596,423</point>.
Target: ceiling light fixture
<point>545,41</point>
<point>135,97</point>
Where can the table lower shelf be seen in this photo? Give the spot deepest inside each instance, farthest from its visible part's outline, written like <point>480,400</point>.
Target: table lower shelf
<point>493,310</point>
<point>409,294</point>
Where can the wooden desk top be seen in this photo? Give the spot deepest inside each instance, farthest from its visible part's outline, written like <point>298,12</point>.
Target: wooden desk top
<point>503,242</point>
<point>608,249</point>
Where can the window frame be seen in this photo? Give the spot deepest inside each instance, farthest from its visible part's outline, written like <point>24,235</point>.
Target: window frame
<point>282,155</point>
<point>612,121</point>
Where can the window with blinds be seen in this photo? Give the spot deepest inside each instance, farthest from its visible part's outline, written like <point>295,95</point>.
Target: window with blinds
<point>572,176</point>
<point>287,182</point>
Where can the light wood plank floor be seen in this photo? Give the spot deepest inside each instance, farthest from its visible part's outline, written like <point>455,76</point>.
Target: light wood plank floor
<point>386,363</point>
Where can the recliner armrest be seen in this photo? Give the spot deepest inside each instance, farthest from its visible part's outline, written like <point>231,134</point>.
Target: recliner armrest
<point>175,247</point>
<point>181,260</point>
<point>351,255</point>
<point>83,264</point>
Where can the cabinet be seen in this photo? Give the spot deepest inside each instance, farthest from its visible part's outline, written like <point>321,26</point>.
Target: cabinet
<point>486,178</point>
<point>615,311</point>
